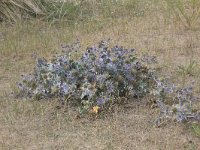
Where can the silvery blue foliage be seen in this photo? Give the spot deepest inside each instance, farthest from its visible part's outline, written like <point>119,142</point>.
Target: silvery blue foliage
<point>175,103</point>
<point>103,75</point>
<point>100,72</point>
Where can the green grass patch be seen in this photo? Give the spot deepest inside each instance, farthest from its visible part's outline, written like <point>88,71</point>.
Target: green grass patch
<point>196,129</point>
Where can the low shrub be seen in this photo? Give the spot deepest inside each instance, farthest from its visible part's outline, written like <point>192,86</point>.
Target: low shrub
<point>174,102</point>
<point>104,76</point>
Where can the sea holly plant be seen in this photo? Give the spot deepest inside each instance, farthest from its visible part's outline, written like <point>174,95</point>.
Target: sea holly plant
<point>175,103</point>
<point>101,77</point>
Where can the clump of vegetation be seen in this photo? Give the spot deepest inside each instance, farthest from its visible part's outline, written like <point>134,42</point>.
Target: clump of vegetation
<point>105,76</point>
<point>175,103</point>
<point>13,10</point>
<point>188,69</point>
<point>186,11</point>
<point>69,11</point>
<point>102,75</point>
<point>196,129</point>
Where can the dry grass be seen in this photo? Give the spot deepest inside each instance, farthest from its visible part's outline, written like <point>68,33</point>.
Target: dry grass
<point>26,124</point>
<point>14,10</point>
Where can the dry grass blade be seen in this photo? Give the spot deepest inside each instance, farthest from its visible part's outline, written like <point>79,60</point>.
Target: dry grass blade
<point>13,10</point>
<point>187,11</point>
